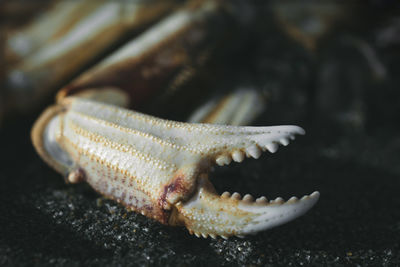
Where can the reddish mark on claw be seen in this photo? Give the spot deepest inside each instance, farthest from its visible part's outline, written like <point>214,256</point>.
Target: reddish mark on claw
<point>177,187</point>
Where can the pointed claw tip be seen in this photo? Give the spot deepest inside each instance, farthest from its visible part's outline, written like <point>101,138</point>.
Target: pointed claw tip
<point>300,130</point>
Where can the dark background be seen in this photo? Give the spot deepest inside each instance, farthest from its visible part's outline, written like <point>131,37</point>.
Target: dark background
<point>344,91</point>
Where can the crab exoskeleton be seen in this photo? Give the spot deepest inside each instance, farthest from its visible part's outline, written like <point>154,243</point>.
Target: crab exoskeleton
<point>159,167</point>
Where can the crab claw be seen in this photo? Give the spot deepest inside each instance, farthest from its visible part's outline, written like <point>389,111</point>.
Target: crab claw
<point>159,167</point>
<point>208,214</point>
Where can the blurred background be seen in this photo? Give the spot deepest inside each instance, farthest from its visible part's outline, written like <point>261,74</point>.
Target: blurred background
<point>332,68</point>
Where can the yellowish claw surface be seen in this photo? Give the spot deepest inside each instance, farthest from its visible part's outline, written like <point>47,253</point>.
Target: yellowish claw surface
<point>160,167</point>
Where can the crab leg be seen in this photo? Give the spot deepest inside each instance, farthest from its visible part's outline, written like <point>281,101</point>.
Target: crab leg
<point>240,107</point>
<point>67,38</point>
<point>163,57</point>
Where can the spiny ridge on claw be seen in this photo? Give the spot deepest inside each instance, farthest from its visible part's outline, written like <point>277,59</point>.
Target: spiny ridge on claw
<point>264,216</point>
<point>249,199</point>
<point>257,142</point>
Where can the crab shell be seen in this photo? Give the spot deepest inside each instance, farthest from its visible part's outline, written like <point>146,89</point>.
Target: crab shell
<point>159,167</point>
